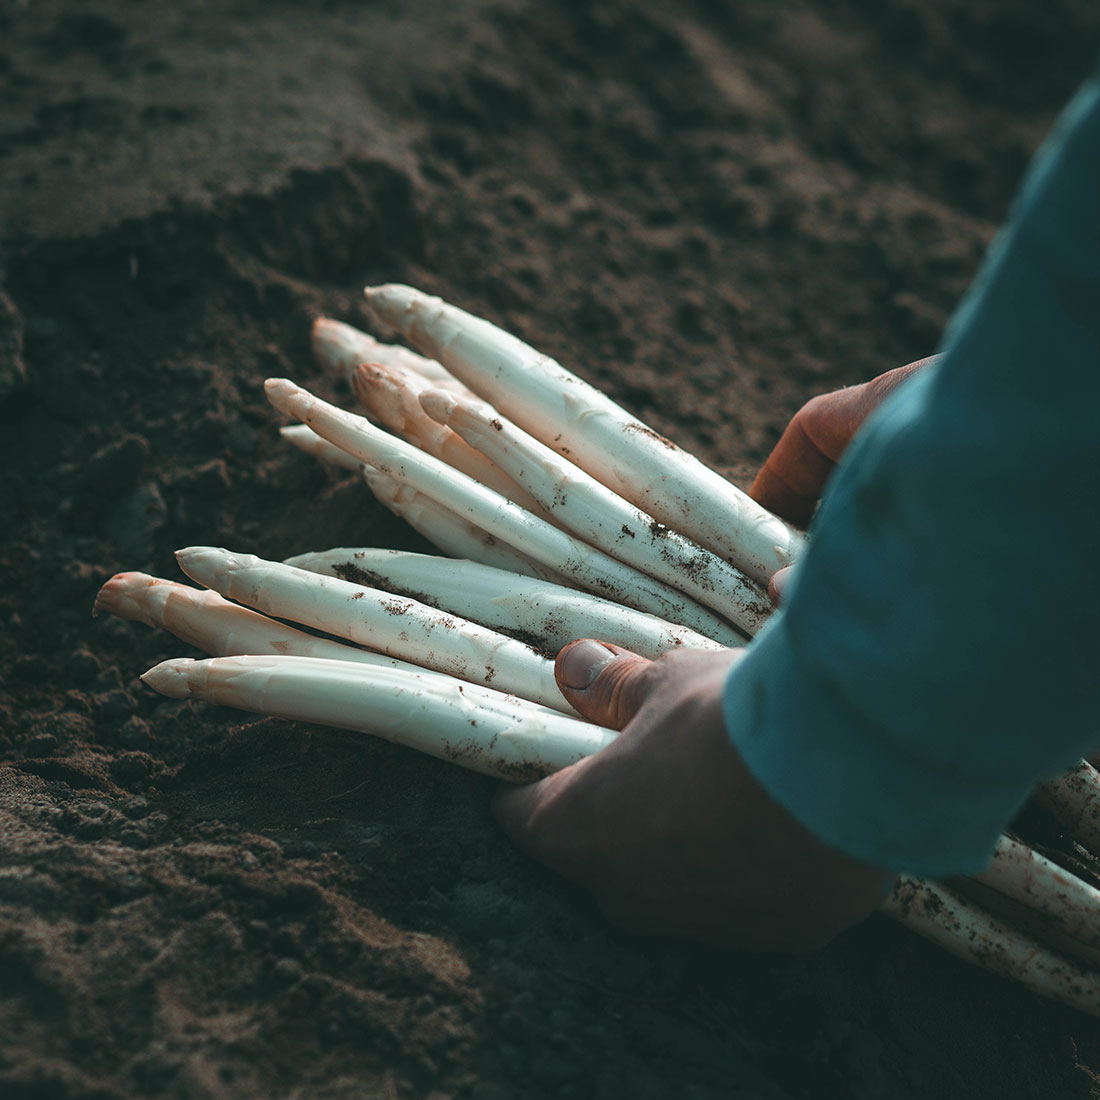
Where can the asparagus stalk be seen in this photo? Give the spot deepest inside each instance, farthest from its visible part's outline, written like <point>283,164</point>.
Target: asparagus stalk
<point>390,398</point>
<point>1074,799</point>
<point>395,626</point>
<point>945,918</point>
<point>525,532</point>
<point>572,417</point>
<point>435,715</point>
<point>310,443</point>
<point>549,614</point>
<point>451,533</point>
<point>340,348</point>
<point>591,511</point>
<point>205,620</point>
<point>1069,903</point>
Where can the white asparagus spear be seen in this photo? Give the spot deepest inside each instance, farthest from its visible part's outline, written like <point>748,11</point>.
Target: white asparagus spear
<point>568,414</point>
<point>390,397</point>
<point>448,531</point>
<point>394,625</point>
<point>591,511</point>
<point>1022,874</point>
<point>432,714</point>
<point>309,442</point>
<point>549,613</point>
<point>1074,799</point>
<point>209,622</point>
<point>441,527</point>
<point>527,533</point>
<point>340,348</point>
<point>958,926</point>
<point>205,620</point>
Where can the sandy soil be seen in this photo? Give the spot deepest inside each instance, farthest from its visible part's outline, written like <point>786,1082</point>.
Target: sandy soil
<point>711,210</point>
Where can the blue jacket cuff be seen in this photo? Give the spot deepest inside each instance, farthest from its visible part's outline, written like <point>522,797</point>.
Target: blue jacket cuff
<point>849,785</point>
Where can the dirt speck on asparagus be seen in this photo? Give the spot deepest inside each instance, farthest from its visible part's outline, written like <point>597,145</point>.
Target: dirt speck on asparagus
<point>355,574</point>
<point>472,751</point>
<point>713,214</point>
<point>643,429</point>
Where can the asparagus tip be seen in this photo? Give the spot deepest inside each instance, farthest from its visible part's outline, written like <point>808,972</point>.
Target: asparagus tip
<point>390,300</point>
<point>202,563</point>
<point>440,405</point>
<point>280,387</point>
<point>118,596</point>
<point>171,678</point>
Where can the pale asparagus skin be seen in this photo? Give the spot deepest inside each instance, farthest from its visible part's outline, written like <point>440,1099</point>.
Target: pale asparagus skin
<point>532,536</point>
<point>435,715</point>
<point>588,509</point>
<point>310,443</point>
<point>441,527</point>
<point>211,623</point>
<point>202,618</point>
<point>590,429</point>
<point>382,621</point>
<point>390,398</point>
<point>340,348</point>
<point>958,926</point>
<point>451,533</point>
<point>499,599</point>
<point>1069,903</point>
<point>1074,799</point>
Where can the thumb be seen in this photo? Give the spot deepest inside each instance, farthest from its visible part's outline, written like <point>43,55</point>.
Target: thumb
<point>604,682</point>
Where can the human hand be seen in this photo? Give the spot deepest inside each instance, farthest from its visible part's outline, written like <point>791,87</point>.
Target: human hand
<point>666,826</point>
<point>792,479</point>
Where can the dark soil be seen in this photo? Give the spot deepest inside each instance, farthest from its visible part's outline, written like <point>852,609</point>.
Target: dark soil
<point>711,210</point>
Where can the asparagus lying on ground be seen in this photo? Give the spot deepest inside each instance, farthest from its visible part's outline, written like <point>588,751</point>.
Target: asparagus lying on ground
<point>397,626</point>
<point>435,715</point>
<point>310,443</point>
<point>1074,799</point>
<point>534,537</point>
<point>341,348</point>
<point>391,399</point>
<point>450,532</point>
<point>958,926</point>
<point>550,615</point>
<point>329,682</point>
<point>569,415</point>
<point>591,511</point>
<point>205,620</point>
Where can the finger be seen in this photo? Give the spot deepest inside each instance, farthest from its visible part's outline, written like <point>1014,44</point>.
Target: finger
<point>791,480</point>
<point>777,586</point>
<point>878,389</point>
<point>794,475</point>
<point>605,683</point>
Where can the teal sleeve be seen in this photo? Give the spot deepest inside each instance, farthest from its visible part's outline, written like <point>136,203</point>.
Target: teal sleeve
<point>938,654</point>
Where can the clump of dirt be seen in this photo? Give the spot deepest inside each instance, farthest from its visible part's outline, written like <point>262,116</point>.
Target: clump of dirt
<point>711,211</point>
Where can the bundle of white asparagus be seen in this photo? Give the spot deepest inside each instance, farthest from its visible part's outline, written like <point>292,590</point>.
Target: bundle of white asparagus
<point>562,516</point>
